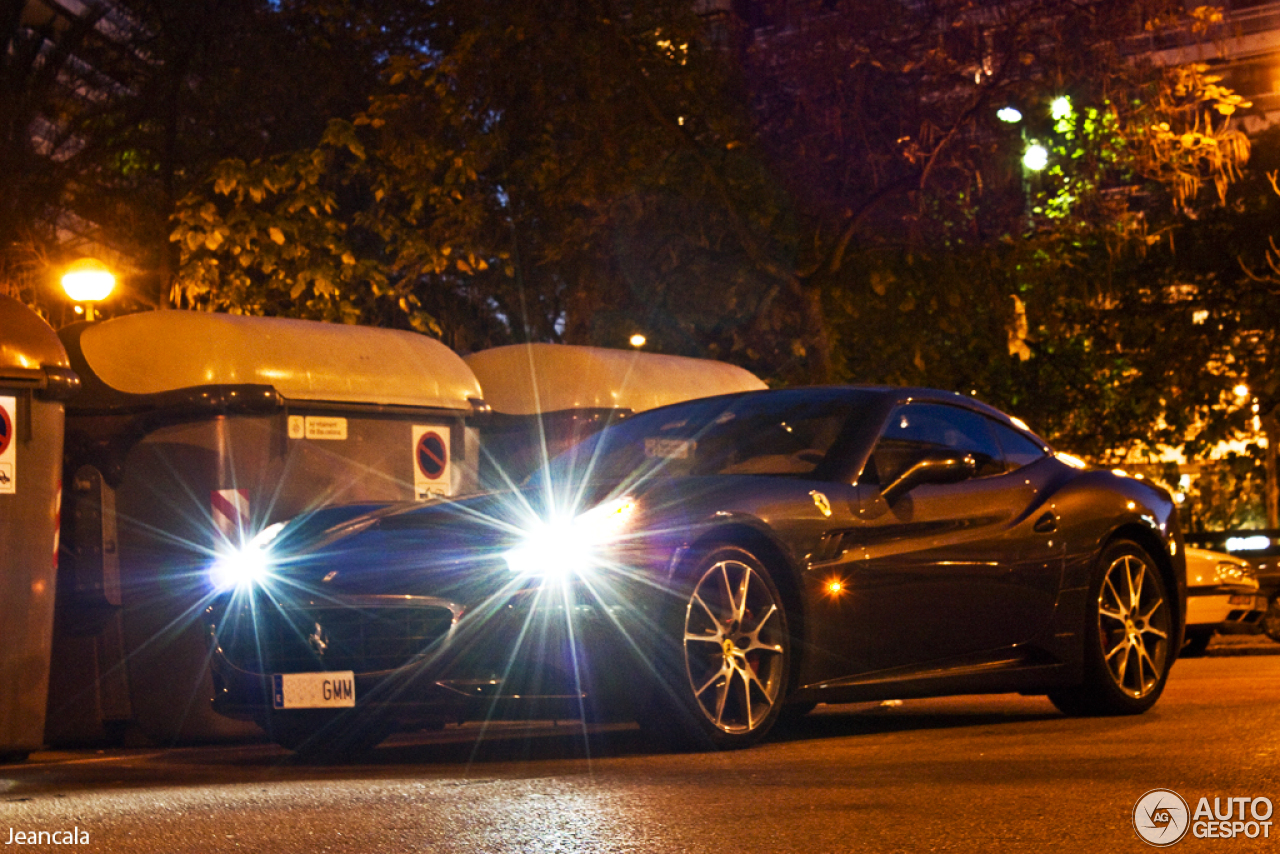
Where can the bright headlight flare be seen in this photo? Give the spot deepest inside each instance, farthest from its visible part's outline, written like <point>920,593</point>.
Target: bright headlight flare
<point>249,565</point>
<point>562,548</point>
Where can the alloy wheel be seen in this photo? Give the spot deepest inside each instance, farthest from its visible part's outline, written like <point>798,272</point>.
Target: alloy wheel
<point>734,646</point>
<point>1134,625</point>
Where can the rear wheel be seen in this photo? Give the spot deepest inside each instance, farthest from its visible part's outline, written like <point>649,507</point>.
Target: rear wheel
<point>1128,631</point>
<point>723,674</point>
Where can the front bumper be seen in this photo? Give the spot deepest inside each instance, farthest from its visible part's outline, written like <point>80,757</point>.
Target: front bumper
<point>540,653</point>
<point>1223,605</point>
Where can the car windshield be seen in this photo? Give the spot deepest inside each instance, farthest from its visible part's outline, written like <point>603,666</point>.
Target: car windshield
<point>782,433</point>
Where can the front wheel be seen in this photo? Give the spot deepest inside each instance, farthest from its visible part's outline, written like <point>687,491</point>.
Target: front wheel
<point>723,675</point>
<point>1128,633</point>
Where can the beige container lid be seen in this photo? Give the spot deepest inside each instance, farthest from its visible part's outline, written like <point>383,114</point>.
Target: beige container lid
<point>159,351</point>
<point>524,379</point>
<point>27,343</point>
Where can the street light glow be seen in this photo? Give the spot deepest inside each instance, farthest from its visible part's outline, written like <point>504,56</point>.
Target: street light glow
<point>1011,115</point>
<point>88,280</point>
<point>638,340</point>
<point>1061,107</point>
<point>1036,157</point>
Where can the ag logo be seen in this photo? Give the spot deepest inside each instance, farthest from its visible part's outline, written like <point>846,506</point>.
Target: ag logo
<point>1161,817</point>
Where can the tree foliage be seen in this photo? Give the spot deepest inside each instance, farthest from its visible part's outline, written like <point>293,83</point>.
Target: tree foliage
<point>817,190</point>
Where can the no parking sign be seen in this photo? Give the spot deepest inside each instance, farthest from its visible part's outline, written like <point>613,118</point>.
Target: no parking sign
<point>8,451</point>
<point>432,467</point>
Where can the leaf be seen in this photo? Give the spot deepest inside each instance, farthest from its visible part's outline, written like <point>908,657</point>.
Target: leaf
<point>277,236</point>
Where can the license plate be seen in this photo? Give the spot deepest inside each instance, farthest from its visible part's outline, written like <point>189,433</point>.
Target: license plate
<point>331,690</point>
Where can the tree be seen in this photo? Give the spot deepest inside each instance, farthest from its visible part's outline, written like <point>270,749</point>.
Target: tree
<point>530,164</point>
<point>1205,323</point>
<point>115,112</point>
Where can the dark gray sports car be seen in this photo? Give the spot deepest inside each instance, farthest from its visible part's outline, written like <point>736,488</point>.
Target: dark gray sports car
<point>709,567</point>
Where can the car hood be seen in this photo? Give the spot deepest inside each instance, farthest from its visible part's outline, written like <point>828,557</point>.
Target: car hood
<point>455,549</point>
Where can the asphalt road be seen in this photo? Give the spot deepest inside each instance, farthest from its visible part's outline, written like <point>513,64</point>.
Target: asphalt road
<point>981,774</point>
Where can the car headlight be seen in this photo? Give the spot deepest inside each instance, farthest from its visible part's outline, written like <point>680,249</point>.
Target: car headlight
<point>248,565</point>
<point>1231,572</point>
<point>560,549</point>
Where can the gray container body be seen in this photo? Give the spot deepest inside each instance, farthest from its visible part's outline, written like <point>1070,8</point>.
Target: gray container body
<point>34,379</point>
<point>160,484</point>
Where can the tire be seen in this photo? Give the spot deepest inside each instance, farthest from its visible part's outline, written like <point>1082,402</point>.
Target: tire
<point>725,658</point>
<point>1196,643</point>
<point>1127,646</point>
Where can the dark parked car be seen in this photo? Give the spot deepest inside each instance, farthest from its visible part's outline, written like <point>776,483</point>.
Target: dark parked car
<point>709,567</point>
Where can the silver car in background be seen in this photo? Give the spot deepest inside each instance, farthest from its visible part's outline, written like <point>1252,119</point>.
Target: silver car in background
<point>1222,590</point>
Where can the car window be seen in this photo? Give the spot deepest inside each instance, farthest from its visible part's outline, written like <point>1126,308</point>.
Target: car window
<point>915,430</point>
<point>1018,450</point>
<point>783,434</point>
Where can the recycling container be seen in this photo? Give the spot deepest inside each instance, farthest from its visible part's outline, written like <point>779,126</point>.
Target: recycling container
<point>193,432</point>
<point>547,397</point>
<point>35,380</point>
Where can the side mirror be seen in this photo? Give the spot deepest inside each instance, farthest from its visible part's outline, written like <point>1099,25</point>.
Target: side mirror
<point>938,468</point>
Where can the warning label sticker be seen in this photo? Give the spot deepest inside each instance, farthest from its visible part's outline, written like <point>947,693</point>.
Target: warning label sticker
<point>432,471</point>
<point>8,448</point>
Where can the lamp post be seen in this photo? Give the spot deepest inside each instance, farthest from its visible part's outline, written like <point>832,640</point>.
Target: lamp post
<point>88,281</point>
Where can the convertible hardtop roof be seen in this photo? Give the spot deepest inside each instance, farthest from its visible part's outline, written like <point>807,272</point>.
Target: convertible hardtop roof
<point>903,394</point>
<point>528,379</point>
<point>138,356</point>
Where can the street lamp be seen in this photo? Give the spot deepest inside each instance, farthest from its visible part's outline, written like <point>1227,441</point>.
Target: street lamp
<point>638,340</point>
<point>1036,157</point>
<point>88,281</point>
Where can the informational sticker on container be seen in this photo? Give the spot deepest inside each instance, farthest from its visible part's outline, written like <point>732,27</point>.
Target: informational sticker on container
<point>297,427</point>
<point>326,428</point>
<point>432,468</point>
<point>8,449</point>
<point>669,449</point>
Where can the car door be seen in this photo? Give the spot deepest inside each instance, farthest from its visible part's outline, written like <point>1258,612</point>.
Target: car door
<point>947,570</point>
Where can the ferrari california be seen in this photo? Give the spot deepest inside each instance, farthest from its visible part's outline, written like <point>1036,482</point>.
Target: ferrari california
<point>709,568</point>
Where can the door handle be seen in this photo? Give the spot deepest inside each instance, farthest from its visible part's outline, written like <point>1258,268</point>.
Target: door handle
<point>1046,524</point>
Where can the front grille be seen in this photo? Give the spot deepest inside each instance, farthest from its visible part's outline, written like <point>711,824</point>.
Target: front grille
<point>363,638</point>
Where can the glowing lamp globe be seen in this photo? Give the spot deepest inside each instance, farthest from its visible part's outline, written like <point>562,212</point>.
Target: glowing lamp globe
<point>1036,157</point>
<point>88,280</point>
